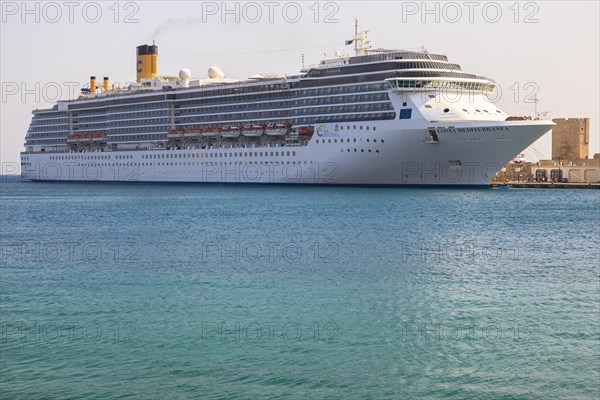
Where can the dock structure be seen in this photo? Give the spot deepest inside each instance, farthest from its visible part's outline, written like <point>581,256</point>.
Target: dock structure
<point>570,166</point>
<point>548,185</point>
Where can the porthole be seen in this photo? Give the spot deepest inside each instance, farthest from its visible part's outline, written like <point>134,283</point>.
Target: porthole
<point>446,110</point>
<point>376,151</point>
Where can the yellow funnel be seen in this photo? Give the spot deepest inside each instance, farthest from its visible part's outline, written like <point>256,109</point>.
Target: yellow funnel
<point>146,62</point>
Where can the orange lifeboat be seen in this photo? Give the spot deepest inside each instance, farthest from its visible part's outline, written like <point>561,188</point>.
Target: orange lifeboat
<point>175,133</point>
<point>99,137</point>
<point>253,130</point>
<point>192,132</point>
<point>211,132</point>
<point>277,129</point>
<point>231,131</point>
<point>306,130</point>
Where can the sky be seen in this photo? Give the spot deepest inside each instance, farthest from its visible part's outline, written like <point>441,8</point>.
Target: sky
<point>547,50</point>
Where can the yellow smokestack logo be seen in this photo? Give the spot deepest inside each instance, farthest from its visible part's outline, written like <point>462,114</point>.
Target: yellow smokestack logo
<point>106,84</point>
<point>146,62</point>
<point>92,84</point>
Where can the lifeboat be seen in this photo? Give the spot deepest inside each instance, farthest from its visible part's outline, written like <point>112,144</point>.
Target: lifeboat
<point>253,130</point>
<point>98,137</point>
<point>72,138</point>
<point>175,133</point>
<point>277,129</point>
<point>211,132</point>
<point>192,132</point>
<point>231,131</point>
<point>306,130</point>
<point>86,138</point>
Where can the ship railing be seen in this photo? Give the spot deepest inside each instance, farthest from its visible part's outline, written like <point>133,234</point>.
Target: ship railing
<point>257,107</point>
<point>436,84</point>
<point>203,103</point>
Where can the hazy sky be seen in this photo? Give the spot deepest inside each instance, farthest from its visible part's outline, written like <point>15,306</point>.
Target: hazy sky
<point>548,48</point>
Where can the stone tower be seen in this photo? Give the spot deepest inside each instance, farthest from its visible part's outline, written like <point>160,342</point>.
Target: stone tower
<point>571,138</point>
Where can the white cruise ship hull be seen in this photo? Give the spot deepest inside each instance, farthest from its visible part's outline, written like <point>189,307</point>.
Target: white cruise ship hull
<point>463,154</point>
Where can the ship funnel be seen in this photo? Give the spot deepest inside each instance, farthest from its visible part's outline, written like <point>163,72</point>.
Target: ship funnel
<point>92,84</point>
<point>146,62</point>
<point>106,84</point>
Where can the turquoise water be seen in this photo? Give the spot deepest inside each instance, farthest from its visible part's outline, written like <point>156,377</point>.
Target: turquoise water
<point>183,291</point>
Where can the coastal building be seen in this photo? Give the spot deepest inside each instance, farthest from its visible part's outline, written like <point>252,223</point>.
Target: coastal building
<point>571,138</point>
<point>573,171</point>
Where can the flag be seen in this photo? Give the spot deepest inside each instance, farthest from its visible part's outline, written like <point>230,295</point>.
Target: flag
<point>349,42</point>
<point>406,113</point>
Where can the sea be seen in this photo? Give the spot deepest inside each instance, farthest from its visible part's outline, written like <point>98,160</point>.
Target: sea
<point>165,291</point>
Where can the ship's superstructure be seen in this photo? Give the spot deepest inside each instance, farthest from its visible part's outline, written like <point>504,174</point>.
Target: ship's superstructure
<point>380,117</point>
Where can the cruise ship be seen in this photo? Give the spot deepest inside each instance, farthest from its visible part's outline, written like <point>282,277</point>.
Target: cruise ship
<point>378,117</point>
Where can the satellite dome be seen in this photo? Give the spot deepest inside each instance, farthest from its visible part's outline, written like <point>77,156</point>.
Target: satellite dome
<point>215,72</point>
<point>185,74</point>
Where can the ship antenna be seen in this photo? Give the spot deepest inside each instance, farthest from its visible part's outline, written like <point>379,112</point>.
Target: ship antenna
<point>355,36</point>
<point>426,52</point>
<point>362,45</point>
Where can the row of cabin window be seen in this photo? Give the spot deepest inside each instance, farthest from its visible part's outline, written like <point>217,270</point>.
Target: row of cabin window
<point>215,155</point>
